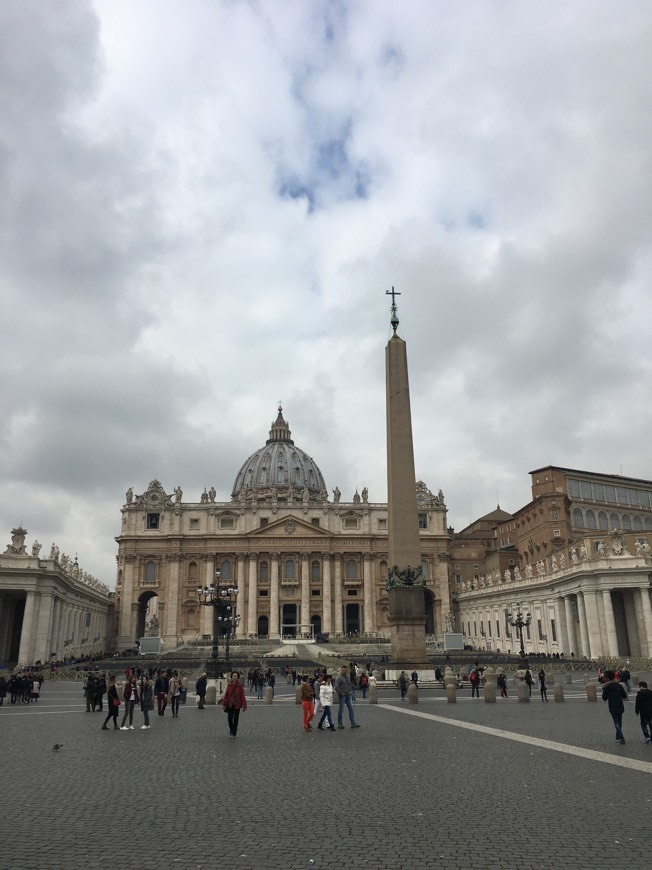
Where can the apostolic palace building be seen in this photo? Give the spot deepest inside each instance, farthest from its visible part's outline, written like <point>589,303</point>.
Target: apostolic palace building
<point>304,562</point>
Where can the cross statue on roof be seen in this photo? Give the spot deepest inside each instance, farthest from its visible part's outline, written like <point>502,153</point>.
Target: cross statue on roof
<point>394,319</point>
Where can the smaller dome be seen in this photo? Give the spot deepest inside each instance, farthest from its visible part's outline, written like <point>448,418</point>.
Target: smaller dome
<point>279,471</point>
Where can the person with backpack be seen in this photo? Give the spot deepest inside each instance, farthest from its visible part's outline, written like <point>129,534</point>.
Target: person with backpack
<point>364,684</point>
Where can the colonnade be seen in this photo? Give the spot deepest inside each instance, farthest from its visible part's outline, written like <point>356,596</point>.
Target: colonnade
<point>594,621</point>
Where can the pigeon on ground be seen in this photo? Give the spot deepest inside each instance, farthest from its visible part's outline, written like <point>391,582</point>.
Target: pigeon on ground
<point>57,747</point>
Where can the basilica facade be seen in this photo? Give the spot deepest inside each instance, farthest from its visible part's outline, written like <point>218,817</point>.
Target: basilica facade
<point>305,562</point>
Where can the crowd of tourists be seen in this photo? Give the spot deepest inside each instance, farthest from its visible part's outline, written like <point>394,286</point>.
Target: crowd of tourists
<point>22,687</point>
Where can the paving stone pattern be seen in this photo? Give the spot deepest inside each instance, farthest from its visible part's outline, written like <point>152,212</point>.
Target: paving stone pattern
<point>399,792</point>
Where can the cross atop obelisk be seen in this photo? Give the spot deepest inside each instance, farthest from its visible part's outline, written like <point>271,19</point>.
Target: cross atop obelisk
<point>394,319</point>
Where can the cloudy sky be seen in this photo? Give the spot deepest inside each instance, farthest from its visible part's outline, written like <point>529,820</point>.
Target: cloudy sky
<point>202,206</point>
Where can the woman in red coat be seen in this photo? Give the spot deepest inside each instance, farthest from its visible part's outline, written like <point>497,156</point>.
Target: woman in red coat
<point>233,701</point>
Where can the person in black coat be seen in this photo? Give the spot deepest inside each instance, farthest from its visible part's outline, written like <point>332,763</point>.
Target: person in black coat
<point>200,688</point>
<point>614,693</point>
<point>112,698</point>
<point>644,710</point>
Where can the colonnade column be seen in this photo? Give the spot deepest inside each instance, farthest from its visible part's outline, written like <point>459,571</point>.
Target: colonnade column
<point>305,593</point>
<point>241,628</point>
<point>570,640</point>
<point>337,602</point>
<point>56,627</point>
<point>592,624</point>
<point>584,636</point>
<point>367,594</point>
<point>646,611</point>
<point>327,617</point>
<point>42,640</point>
<point>612,637</point>
<point>252,627</point>
<point>273,601</point>
<point>26,649</point>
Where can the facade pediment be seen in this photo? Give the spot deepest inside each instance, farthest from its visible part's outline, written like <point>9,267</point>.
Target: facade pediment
<point>290,526</point>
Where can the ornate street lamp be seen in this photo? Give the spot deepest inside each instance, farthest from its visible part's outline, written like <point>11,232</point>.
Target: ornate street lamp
<point>519,621</point>
<point>225,619</point>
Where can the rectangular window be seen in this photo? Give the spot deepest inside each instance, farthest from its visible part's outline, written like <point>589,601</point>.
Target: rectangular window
<point>632,495</point>
<point>263,593</point>
<point>227,523</point>
<point>458,578</point>
<point>194,524</point>
<point>350,524</point>
<point>573,488</point>
<point>482,628</point>
<point>553,630</point>
<point>423,521</point>
<point>489,627</point>
<point>610,493</point>
<point>539,629</point>
<point>468,629</point>
<point>644,499</point>
<point>315,521</point>
<point>457,566</point>
<point>153,521</point>
<point>598,492</point>
<point>554,514</point>
<point>475,628</point>
<point>527,629</point>
<point>586,490</point>
<point>352,592</point>
<point>382,524</point>
<point>556,533</point>
<point>497,629</point>
<point>264,521</point>
<point>316,593</point>
<point>621,494</point>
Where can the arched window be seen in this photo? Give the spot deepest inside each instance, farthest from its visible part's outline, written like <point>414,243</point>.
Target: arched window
<point>288,569</point>
<point>638,525</point>
<point>578,519</point>
<point>603,523</point>
<point>425,570</point>
<point>614,519</point>
<point>150,572</point>
<point>384,570</point>
<point>226,570</point>
<point>648,524</point>
<point>315,570</point>
<point>590,520</point>
<point>192,572</point>
<point>627,522</point>
<point>263,573</point>
<point>351,570</point>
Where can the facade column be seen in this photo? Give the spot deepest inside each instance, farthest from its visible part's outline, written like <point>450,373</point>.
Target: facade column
<point>593,624</point>
<point>252,625</point>
<point>584,635</point>
<point>125,631</point>
<point>612,637</point>
<point>274,633</point>
<point>172,601</point>
<point>206,613</point>
<point>337,603</point>
<point>241,628</point>
<point>646,612</point>
<point>26,649</point>
<point>327,617</point>
<point>305,593</point>
<point>367,594</point>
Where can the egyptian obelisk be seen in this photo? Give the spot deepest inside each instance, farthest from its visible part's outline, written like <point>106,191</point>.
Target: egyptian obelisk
<point>407,616</point>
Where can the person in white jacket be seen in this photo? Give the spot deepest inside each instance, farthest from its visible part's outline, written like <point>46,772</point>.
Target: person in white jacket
<point>326,700</point>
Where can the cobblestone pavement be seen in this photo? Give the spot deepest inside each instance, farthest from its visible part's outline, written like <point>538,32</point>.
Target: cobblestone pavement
<point>400,792</point>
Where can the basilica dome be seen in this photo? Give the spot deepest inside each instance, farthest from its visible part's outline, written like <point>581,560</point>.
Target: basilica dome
<point>279,471</point>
